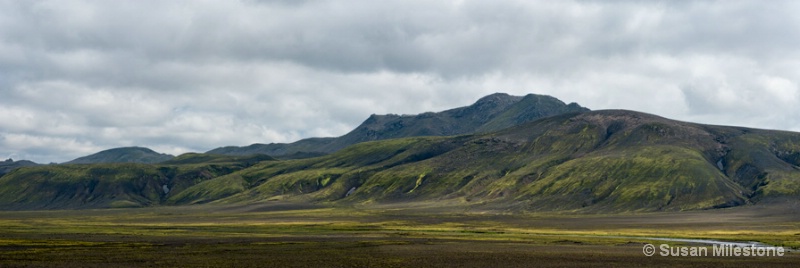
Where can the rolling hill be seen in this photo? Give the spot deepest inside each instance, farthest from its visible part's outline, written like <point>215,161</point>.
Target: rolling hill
<point>491,113</point>
<point>123,155</point>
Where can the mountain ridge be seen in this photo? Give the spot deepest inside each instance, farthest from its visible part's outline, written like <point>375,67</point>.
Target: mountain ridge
<point>489,113</point>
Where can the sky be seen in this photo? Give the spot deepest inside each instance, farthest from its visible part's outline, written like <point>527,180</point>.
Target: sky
<point>78,77</point>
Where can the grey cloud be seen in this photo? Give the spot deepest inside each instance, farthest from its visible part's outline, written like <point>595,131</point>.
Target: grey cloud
<point>78,76</point>
<point>446,39</point>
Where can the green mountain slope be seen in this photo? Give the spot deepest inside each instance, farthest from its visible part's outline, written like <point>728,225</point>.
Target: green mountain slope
<point>72,186</point>
<point>490,113</point>
<point>123,155</point>
<point>594,161</point>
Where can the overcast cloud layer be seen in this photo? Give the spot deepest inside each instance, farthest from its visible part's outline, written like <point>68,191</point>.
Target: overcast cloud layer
<point>77,77</point>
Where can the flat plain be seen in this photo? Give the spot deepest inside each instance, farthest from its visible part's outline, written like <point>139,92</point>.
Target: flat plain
<point>274,234</point>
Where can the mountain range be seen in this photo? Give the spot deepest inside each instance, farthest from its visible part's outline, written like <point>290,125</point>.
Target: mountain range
<point>531,153</point>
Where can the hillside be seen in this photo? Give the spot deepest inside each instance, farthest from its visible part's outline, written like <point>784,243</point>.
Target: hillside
<point>594,161</point>
<point>104,185</point>
<point>491,113</point>
<point>123,155</point>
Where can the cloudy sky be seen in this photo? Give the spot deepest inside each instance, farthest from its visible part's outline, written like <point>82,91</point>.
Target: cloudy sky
<point>77,77</point>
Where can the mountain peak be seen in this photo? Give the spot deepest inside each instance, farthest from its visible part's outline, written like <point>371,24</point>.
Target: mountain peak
<point>529,108</point>
<point>496,98</point>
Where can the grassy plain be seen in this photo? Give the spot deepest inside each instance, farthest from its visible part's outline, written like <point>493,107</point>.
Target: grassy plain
<point>277,234</point>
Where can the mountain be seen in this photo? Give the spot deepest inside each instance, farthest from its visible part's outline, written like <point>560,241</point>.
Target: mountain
<point>123,155</point>
<point>107,185</point>
<point>583,161</point>
<point>602,161</point>
<point>490,113</point>
<point>9,165</point>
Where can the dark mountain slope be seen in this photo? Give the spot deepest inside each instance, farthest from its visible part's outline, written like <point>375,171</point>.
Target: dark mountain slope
<point>196,158</point>
<point>528,109</point>
<point>123,155</point>
<point>300,149</point>
<point>490,113</point>
<point>594,161</point>
<point>9,165</point>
